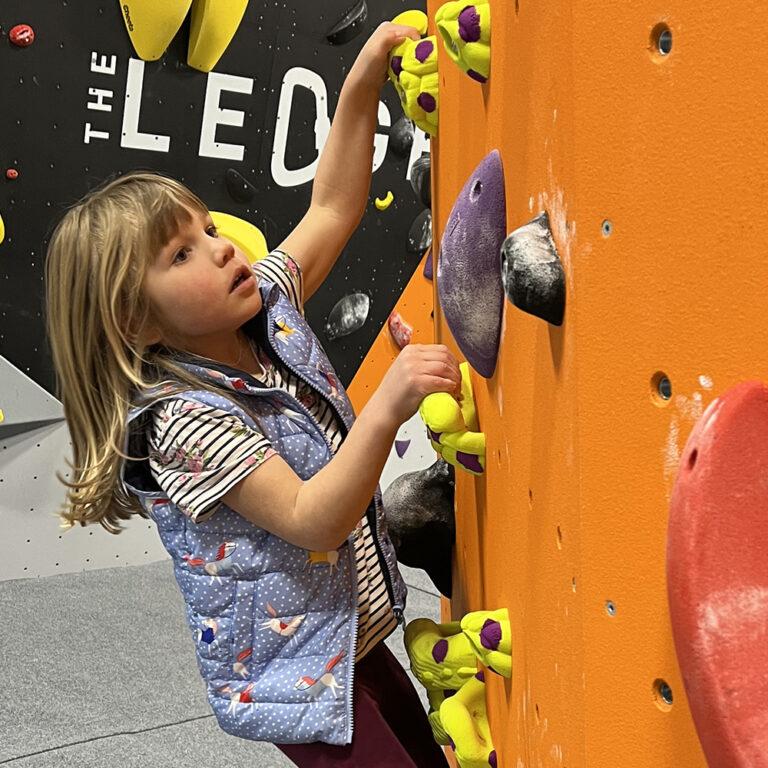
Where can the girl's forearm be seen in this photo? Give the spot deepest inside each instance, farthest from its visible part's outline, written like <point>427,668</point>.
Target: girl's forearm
<point>340,492</point>
<point>343,176</point>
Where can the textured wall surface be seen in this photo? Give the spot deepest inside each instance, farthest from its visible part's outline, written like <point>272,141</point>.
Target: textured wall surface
<point>652,169</point>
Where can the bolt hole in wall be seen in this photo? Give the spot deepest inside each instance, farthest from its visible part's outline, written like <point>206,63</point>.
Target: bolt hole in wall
<point>607,228</point>
<point>610,607</point>
<point>662,694</point>
<point>661,388</point>
<point>661,40</point>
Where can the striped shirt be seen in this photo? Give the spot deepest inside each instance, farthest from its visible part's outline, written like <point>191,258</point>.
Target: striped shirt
<point>198,453</point>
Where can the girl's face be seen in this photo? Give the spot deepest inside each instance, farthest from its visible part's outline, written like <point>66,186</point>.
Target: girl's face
<point>190,287</point>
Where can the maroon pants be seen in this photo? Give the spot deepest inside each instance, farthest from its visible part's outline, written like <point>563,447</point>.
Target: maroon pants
<point>391,727</point>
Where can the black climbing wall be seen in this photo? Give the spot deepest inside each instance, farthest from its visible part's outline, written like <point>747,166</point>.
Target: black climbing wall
<point>44,92</point>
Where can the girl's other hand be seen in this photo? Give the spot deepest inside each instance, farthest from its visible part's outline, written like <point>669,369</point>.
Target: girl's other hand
<point>371,63</point>
<point>418,371</point>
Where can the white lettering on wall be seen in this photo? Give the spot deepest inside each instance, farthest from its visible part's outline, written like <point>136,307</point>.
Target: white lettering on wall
<point>131,137</point>
<point>380,140</point>
<point>101,67</point>
<point>214,115</point>
<point>100,105</point>
<point>92,134</point>
<point>305,78</point>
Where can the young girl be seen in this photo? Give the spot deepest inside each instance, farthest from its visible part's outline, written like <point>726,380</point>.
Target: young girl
<point>196,394</point>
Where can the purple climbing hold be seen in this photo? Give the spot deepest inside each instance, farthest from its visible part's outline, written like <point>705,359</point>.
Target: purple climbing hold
<point>490,634</point>
<point>423,50</point>
<point>401,446</point>
<point>492,759</point>
<point>440,651</point>
<point>428,265</point>
<point>480,676</point>
<point>448,694</point>
<point>434,435</point>
<point>469,24</point>
<point>452,743</point>
<point>477,76</point>
<point>469,283</point>
<point>427,102</point>
<point>397,65</point>
<point>469,460</point>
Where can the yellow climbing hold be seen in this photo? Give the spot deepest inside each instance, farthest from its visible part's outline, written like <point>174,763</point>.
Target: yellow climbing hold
<point>441,656</point>
<point>413,18</point>
<point>466,33</point>
<point>413,72</point>
<point>245,236</point>
<point>453,427</point>
<point>465,719</point>
<point>213,25</point>
<point>382,205</point>
<point>152,24</point>
<point>2,416</point>
<point>2,229</point>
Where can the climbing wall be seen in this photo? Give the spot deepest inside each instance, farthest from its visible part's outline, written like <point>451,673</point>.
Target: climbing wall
<point>639,128</point>
<point>80,105</point>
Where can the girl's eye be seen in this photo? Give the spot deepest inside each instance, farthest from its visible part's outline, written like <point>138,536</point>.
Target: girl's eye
<point>212,231</point>
<point>182,252</point>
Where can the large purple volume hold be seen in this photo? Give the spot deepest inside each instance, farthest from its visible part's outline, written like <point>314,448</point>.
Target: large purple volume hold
<point>469,282</point>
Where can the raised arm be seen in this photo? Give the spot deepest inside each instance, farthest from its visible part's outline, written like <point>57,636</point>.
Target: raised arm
<point>319,513</point>
<point>343,178</point>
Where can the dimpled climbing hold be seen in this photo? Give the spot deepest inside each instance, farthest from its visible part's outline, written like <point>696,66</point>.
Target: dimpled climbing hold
<point>452,426</point>
<point>466,33</point>
<point>441,656</point>
<point>383,204</point>
<point>22,35</point>
<point>465,720</point>
<point>413,71</point>
<point>491,638</point>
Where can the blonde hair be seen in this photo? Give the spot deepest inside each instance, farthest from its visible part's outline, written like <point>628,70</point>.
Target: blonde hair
<point>96,310</point>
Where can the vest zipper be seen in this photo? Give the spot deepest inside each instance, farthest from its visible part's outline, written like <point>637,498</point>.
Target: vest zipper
<point>371,514</point>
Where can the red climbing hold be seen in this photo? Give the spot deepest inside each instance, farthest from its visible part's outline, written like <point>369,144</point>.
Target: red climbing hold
<point>22,35</point>
<point>11,174</point>
<point>717,576</point>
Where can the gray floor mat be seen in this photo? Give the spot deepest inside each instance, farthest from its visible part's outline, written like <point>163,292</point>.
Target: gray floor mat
<point>99,670</point>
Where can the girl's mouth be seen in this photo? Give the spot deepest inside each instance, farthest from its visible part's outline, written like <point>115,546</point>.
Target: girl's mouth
<point>244,278</point>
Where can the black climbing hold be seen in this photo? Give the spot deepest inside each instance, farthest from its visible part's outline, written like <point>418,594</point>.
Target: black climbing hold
<point>420,521</point>
<point>350,25</point>
<point>240,189</point>
<point>420,233</point>
<point>533,276</point>
<point>420,179</point>
<point>401,137</point>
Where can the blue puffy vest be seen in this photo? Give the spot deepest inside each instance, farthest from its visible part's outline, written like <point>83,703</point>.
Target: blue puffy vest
<point>275,626</point>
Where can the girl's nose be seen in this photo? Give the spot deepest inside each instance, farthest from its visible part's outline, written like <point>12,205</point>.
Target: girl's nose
<point>224,250</point>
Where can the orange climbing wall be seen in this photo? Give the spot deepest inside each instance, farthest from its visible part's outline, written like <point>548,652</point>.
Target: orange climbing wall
<point>593,124</point>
